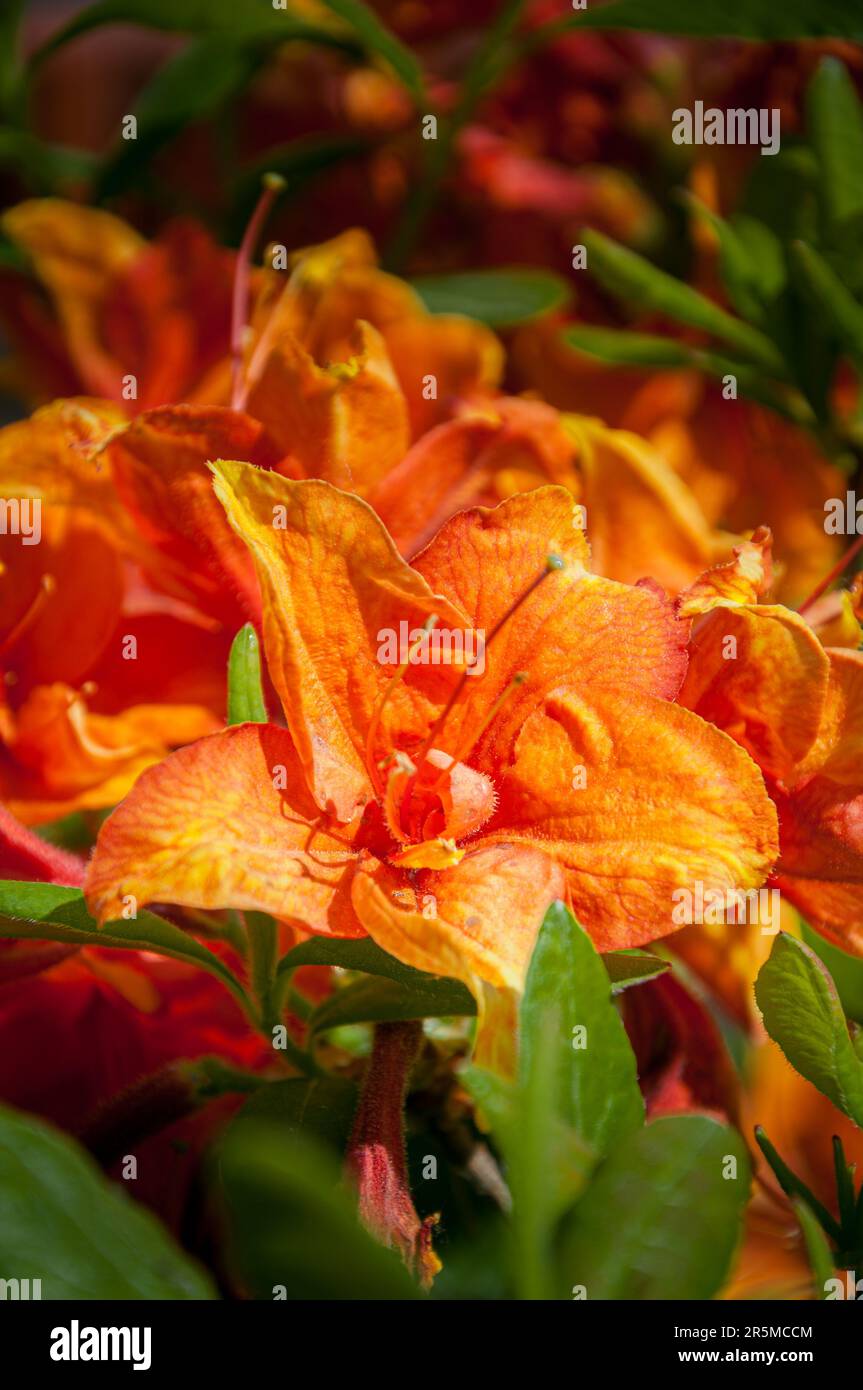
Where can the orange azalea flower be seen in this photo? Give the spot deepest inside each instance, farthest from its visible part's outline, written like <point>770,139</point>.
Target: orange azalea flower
<point>147,324</point>
<point>642,519</point>
<point>435,808</point>
<point>758,671</point>
<point>158,312</point>
<point>82,710</point>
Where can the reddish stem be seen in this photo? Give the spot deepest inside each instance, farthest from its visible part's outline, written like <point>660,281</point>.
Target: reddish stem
<point>834,574</point>
<point>273,185</point>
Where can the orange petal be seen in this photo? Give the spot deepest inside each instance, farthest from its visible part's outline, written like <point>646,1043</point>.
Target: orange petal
<point>212,827</point>
<point>463,357</point>
<point>821,867</point>
<point>635,799</point>
<point>159,464</point>
<point>332,584</point>
<point>641,518</point>
<point>476,921</point>
<point>56,455</point>
<point>575,628</point>
<point>478,459</point>
<point>61,757</point>
<point>741,580</point>
<point>346,422</point>
<point>76,251</point>
<point>760,674</point>
<point>57,614</point>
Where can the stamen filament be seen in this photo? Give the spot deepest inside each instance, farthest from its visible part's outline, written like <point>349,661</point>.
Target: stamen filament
<point>273,185</point>
<point>47,585</point>
<point>834,574</point>
<point>380,705</point>
<point>553,563</point>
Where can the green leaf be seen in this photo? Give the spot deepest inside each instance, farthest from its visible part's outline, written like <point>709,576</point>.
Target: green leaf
<point>377,38</point>
<point>323,1106</point>
<point>830,299</point>
<point>741,274</point>
<point>359,954</point>
<point>627,968</point>
<point>376,1000</point>
<point>190,86</point>
<point>595,1086</point>
<point>245,693</point>
<point>817,1247</point>
<point>835,130</point>
<point>10,58</point>
<point>636,281</point>
<point>253,19</point>
<point>659,1220</point>
<point>63,1223</point>
<point>846,971</point>
<point>795,1187</point>
<point>498,298</point>
<point>52,912</point>
<point>42,166</point>
<point>746,19</point>
<point>294,1226</point>
<point>802,1013</point>
<point>626,349</point>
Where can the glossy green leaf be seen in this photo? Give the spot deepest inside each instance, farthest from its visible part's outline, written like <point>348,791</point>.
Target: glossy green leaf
<point>817,1248</point>
<point>377,1000</point>
<point>62,1222</point>
<point>830,299</point>
<point>740,271</point>
<point>595,1083</point>
<point>626,349</point>
<point>835,130</point>
<point>10,58</point>
<point>360,954</point>
<point>745,19</point>
<point>51,912</point>
<point>662,1217</point>
<point>245,692</point>
<point>846,971</point>
<point>642,285</point>
<point>293,1224</point>
<point>627,968</point>
<point>498,298</point>
<point>802,1013</point>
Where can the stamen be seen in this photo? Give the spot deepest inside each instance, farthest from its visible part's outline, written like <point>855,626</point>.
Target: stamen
<point>47,585</point>
<point>380,705</point>
<point>273,186</point>
<point>464,752</point>
<point>834,574</point>
<point>554,562</point>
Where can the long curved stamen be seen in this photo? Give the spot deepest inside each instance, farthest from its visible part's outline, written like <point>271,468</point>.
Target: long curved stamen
<point>47,585</point>
<point>553,563</point>
<point>834,574</point>
<point>273,185</point>
<point>464,751</point>
<point>380,704</point>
